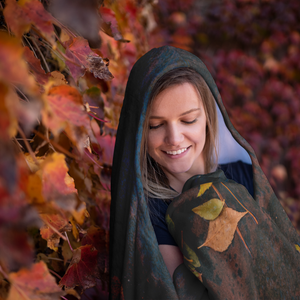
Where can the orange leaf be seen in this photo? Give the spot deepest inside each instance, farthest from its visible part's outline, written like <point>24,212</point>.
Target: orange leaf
<point>20,15</point>
<point>33,284</point>
<point>13,68</point>
<point>53,222</point>
<point>221,230</point>
<point>64,111</point>
<point>83,269</point>
<point>8,121</point>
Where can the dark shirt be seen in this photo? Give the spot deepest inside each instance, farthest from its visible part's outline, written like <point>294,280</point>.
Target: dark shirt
<point>238,171</point>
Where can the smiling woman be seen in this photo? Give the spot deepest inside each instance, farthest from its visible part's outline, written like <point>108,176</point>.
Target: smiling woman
<point>192,214</point>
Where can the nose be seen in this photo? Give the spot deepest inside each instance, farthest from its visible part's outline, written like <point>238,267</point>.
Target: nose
<point>174,136</point>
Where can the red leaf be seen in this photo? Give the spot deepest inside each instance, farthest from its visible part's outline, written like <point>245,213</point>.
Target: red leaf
<point>65,112</point>
<point>34,284</point>
<point>83,269</point>
<point>20,15</point>
<point>110,24</point>
<point>16,250</point>
<point>35,66</point>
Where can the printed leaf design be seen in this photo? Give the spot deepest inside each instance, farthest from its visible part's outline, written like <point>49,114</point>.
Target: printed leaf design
<point>203,188</point>
<point>221,230</point>
<point>33,284</point>
<point>210,210</point>
<point>20,15</point>
<point>192,261</point>
<point>192,257</point>
<point>83,269</point>
<point>170,223</point>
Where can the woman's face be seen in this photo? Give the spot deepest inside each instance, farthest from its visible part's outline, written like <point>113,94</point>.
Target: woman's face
<point>177,131</point>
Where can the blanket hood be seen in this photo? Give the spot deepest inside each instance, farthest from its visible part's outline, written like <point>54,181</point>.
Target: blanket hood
<point>137,269</point>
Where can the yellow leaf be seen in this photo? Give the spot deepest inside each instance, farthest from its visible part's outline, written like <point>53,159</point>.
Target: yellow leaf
<point>297,248</point>
<point>191,256</point>
<point>203,188</point>
<point>210,210</point>
<point>221,230</point>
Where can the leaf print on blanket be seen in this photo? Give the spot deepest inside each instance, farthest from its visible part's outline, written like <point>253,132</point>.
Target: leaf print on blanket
<point>221,230</point>
<point>210,210</point>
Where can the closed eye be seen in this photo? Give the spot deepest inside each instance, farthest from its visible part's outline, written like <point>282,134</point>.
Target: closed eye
<point>189,122</point>
<point>155,127</point>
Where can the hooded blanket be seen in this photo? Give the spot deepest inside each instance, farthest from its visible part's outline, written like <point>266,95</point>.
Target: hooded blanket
<point>241,270</point>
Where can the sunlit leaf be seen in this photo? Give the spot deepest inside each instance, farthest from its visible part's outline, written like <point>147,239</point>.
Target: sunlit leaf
<point>83,269</point>
<point>203,188</point>
<point>221,230</point>
<point>20,15</point>
<point>210,210</point>
<point>34,284</point>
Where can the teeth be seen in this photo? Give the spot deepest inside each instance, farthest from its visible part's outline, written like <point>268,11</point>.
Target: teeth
<point>176,152</point>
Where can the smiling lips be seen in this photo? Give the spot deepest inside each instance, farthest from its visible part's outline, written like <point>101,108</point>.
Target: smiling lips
<point>177,152</point>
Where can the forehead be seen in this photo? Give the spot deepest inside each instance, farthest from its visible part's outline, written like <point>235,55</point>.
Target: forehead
<point>180,97</point>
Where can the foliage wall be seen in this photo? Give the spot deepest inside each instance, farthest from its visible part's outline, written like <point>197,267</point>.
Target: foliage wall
<point>63,70</point>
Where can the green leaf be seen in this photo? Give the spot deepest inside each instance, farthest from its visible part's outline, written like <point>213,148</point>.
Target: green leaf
<point>191,257</point>
<point>210,209</point>
<point>203,188</point>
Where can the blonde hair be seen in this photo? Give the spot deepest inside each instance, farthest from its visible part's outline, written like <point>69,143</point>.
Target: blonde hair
<point>155,182</point>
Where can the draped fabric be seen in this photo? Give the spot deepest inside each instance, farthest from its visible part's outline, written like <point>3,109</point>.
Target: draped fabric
<point>137,269</point>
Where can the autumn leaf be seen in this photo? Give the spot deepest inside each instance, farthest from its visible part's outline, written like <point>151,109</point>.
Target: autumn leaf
<point>83,269</point>
<point>64,111</point>
<point>297,248</point>
<point>16,249</point>
<point>20,15</point>
<point>221,230</point>
<point>203,188</point>
<point>13,68</point>
<point>34,284</point>
<point>82,58</point>
<point>210,210</point>
<point>110,25</point>
<point>35,66</point>
<point>53,223</point>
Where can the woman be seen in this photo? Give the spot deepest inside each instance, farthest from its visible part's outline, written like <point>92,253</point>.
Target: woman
<point>167,136</point>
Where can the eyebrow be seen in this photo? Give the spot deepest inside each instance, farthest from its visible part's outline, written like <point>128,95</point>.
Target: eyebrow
<point>183,114</point>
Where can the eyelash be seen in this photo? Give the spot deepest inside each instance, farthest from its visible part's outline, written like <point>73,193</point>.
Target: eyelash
<point>185,122</point>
